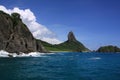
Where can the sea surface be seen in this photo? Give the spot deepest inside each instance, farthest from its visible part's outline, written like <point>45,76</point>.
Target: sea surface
<point>62,66</point>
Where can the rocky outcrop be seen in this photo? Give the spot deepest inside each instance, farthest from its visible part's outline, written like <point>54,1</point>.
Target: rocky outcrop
<point>74,44</point>
<point>71,36</point>
<point>15,36</point>
<point>40,47</point>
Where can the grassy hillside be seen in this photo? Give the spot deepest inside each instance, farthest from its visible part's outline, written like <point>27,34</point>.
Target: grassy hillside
<point>73,46</point>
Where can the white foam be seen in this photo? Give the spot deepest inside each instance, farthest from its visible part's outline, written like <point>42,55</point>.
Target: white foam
<point>95,58</point>
<point>4,54</point>
<point>31,54</point>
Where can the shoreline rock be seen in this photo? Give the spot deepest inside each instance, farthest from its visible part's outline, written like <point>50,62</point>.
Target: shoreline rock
<point>15,37</point>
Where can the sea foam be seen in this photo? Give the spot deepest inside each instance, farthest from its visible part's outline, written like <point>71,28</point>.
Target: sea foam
<point>31,54</point>
<point>95,58</point>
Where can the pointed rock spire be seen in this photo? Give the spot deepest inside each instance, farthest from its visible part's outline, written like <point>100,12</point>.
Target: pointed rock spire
<point>71,36</point>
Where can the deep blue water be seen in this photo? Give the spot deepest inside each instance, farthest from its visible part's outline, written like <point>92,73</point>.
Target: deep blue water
<point>62,66</point>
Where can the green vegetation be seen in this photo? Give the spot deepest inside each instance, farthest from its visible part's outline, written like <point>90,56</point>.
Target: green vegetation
<point>15,15</point>
<point>2,12</point>
<point>15,18</point>
<point>5,14</point>
<point>71,46</point>
<point>109,49</point>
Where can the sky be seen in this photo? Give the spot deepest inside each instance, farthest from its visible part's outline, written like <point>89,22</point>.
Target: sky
<point>95,23</point>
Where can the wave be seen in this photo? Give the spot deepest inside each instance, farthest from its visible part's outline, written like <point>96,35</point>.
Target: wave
<point>95,58</point>
<point>31,54</point>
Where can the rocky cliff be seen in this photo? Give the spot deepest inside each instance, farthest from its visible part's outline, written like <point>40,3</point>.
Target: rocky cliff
<point>71,37</point>
<point>15,36</point>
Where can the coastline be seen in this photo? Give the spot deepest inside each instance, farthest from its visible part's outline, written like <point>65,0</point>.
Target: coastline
<point>58,51</point>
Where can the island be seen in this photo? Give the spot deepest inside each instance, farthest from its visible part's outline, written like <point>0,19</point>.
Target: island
<point>108,48</point>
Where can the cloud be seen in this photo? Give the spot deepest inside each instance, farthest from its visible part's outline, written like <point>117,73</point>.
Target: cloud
<point>38,30</point>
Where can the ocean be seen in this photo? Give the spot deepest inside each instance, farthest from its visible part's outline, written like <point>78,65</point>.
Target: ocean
<point>62,66</point>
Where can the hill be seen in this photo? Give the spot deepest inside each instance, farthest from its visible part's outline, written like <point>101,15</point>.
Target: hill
<point>109,48</point>
<point>71,45</point>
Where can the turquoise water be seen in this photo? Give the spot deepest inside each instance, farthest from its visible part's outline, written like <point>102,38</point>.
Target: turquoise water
<point>62,66</point>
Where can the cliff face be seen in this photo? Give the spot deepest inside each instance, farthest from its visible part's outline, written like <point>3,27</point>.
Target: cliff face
<point>71,37</point>
<point>15,36</point>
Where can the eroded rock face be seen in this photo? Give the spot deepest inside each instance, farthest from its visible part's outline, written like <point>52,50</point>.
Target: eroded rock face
<point>15,36</point>
<point>71,36</point>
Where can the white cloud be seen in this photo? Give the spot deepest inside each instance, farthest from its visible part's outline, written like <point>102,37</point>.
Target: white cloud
<point>38,30</point>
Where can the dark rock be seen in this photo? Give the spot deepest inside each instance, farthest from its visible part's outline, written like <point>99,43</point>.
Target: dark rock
<point>39,46</point>
<point>15,36</point>
<point>71,36</point>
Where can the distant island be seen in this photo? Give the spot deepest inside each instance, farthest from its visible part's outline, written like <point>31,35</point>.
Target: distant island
<point>109,48</point>
<point>15,37</point>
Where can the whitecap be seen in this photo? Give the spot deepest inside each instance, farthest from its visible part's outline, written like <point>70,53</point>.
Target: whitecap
<point>4,53</point>
<point>31,54</point>
<point>95,58</point>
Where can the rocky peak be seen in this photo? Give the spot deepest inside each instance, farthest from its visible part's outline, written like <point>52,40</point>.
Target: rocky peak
<point>71,36</point>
